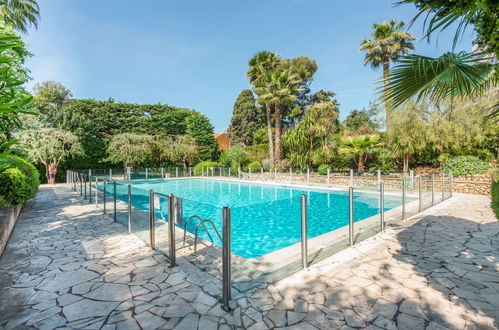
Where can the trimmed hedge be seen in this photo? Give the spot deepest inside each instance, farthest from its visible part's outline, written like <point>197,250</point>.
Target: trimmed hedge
<point>322,169</point>
<point>495,198</point>
<point>465,165</point>
<point>198,169</point>
<point>254,166</point>
<point>18,183</point>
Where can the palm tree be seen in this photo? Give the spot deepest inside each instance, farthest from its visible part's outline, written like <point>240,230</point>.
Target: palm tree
<point>279,89</point>
<point>388,44</point>
<point>260,64</point>
<point>359,147</point>
<point>19,14</point>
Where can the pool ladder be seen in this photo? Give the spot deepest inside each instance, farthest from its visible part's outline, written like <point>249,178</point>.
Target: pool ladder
<point>201,223</point>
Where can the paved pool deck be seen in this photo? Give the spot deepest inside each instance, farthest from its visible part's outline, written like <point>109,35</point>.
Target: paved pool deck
<point>68,266</point>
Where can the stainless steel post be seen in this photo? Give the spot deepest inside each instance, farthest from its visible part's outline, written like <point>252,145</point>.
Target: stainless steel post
<point>304,233</point>
<point>129,208</point>
<point>411,175</point>
<point>308,175</point>
<point>351,177</point>
<point>432,189</point>
<point>226,260</point>
<point>171,230</point>
<point>147,173</point>
<point>80,175</point>
<point>229,172</point>
<point>96,191</point>
<point>89,188</point>
<point>275,174</point>
<point>85,186</point>
<point>151,219</point>
<point>114,200</point>
<point>382,206</point>
<point>261,172</point>
<point>162,173</point>
<point>379,176</point>
<point>451,179</point>
<point>403,198</point>
<point>239,172</point>
<point>212,171</point>
<point>328,176</point>
<point>176,172</point>
<point>420,192</point>
<point>110,174</point>
<point>104,198</point>
<point>443,186</point>
<point>351,215</point>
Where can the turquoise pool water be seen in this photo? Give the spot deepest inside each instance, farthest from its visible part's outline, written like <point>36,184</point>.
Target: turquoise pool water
<point>265,218</point>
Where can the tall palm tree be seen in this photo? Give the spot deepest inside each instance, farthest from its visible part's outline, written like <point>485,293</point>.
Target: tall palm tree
<point>388,44</point>
<point>260,64</point>
<point>279,89</point>
<point>19,14</point>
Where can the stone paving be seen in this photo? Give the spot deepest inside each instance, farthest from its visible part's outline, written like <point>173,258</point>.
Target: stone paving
<point>67,266</point>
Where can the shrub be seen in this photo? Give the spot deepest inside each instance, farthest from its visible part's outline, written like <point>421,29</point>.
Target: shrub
<point>322,169</point>
<point>495,198</point>
<point>18,183</point>
<point>198,169</point>
<point>254,166</point>
<point>340,162</point>
<point>465,165</point>
<point>383,162</point>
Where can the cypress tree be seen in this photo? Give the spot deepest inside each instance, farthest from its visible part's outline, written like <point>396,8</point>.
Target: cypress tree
<point>245,119</point>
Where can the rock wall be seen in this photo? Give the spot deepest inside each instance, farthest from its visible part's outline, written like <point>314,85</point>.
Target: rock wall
<point>8,218</point>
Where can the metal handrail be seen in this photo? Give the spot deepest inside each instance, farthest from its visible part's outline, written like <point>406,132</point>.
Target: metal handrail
<point>201,222</point>
<point>197,228</point>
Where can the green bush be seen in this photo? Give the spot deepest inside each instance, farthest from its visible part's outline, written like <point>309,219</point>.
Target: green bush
<point>254,166</point>
<point>465,165</point>
<point>495,198</point>
<point>322,169</point>
<point>198,169</point>
<point>18,183</point>
<point>340,162</point>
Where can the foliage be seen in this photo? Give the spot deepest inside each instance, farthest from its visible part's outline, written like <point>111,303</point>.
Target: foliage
<point>359,122</point>
<point>465,165</point>
<point>388,44</point>
<point>198,169</point>
<point>439,79</point>
<point>236,156</point>
<point>383,161</point>
<point>495,198</point>
<point>51,93</point>
<point>359,147</point>
<point>258,152</point>
<point>19,14</point>
<point>340,162</point>
<point>49,145</point>
<point>18,183</point>
<point>130,149</point>
<point>13,99</point>
<point>245,119</point>
<point>254,166</point>
<point>200,128</point>
<point>322,169</point>
<point>178,149</point>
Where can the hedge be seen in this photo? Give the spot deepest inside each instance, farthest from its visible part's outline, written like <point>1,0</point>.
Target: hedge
<point>198,169</point>
<point>18,183</point>
<point>254,166</point>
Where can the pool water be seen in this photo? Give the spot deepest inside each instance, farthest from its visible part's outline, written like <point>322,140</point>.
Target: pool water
<point>265,218</point>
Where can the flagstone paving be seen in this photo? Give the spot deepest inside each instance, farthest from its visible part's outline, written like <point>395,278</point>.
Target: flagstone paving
<point>67,266</point>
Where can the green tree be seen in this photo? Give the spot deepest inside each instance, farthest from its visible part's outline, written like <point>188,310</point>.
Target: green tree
<point>260,64</point>
<point>359,147</point>
<point>236,155</point>
<point>388,44</point>
<point>245,119</point>
<point>49,146</point>
<point>408,133</point>
<point>200,128</point>
<point>130,149</point>
<point>19,14</point>
<point>360,122</point>
<point>178,149</point>
<point>51,93</point>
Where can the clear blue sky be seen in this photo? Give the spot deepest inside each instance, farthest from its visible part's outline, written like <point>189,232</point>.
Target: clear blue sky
<point>194,54</point>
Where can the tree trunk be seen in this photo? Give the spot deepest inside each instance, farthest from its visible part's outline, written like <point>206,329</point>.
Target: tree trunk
<point>271,137</point>
<point>361,163</point>
<point>406,162</point>
<point>278,127</point>
<point>388,110</point>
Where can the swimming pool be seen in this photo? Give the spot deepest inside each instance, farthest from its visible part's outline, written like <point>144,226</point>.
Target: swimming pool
<point>265,218</point>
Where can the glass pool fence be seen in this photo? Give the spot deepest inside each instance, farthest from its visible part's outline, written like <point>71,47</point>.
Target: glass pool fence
<point>205,235</point>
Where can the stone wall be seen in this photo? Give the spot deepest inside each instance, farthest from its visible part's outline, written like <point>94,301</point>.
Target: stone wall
<point>8,218</point>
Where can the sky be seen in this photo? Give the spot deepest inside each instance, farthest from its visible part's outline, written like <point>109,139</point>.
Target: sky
<point>194,53</point>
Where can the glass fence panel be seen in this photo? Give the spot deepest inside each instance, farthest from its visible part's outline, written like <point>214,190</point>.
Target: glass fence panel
<point>140,213</point>
<point>367,210</point>
<point>122,203</point>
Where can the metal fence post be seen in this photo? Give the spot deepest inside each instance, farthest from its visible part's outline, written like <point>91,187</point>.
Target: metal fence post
<point>308,175</point>
<point>443,186</point>
<point>226,260</point>
<point>328,177</point>
<point>96,191</point>
<point>239,172</point>
<point>382,206</point>
<point>229,172</point>
<point>129,208</point>
<point>351,177</point>
<point>85,186</point>
<point>420,193</point>
<point>403,198</point>
<point>290,174</point>
<point>104,199</point>
<point>351,215</point>
<point>304,233</point>
<point>261,172</point>
<point>147,173</point>
<point>151,219</point>
<point>212,171</point>
<point>110,174</point>
<point>379,176</point>
<point>89,188</point>
<point>451,178</point>
<point>432,189</point>
<point>162,173</point>
<point>176,172</point>
<point>275,174</point>
<point>411,176</point>
<point>80,175</point>
<point>171,230</point>
<point>114,200</point>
